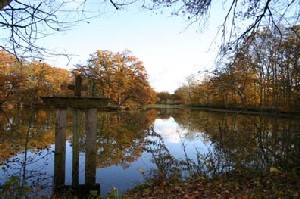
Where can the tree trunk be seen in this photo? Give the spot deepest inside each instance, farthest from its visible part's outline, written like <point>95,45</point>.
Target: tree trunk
<point>4,3</point>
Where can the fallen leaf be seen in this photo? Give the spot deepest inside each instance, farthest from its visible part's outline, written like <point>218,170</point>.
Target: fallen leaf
<point>274,170</point>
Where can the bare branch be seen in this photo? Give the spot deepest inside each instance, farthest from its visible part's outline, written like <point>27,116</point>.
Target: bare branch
<point>256,23</point>
<point>114,4</point>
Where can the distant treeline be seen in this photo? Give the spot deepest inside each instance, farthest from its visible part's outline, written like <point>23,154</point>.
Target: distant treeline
<point>262,73</point>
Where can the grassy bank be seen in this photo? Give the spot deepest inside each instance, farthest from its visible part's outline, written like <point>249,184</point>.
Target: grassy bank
<point>240,110</point>
<point>165,106</point>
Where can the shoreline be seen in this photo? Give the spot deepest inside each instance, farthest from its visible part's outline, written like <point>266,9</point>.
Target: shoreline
<point>244,111</point>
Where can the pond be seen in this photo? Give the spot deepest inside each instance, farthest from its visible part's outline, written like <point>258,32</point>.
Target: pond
<point>131,147</point>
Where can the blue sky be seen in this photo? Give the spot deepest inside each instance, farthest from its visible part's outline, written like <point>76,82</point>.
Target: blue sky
<point>170,51</point>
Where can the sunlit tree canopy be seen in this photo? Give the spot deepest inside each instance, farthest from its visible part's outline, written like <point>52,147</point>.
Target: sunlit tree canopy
<point>120,77</point>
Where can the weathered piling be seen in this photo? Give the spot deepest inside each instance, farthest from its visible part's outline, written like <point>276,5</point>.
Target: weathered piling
<point>60,147</point>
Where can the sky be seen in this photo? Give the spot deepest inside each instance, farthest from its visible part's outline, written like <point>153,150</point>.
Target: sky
<point>170,49</point>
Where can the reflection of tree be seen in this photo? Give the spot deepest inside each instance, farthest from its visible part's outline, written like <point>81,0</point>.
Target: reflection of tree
<point>121,136</point>
<point>28,132</point>
<point>258,142</point>
<point>248,141</point>
<point>279,142</point>
<point>167,165</point>
<point>32,128</point>
<point>213,174</point>
<point>249,154</point>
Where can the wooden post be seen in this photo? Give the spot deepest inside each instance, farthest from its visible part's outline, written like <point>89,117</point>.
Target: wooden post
<point>60,147</point>
<point>78,85</point>
<point>90,156</point>
<point>75,148</point>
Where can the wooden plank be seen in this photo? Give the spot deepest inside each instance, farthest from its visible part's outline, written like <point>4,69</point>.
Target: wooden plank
<point>60,147</point>
<point>91,146</point>
<point>76,102</point>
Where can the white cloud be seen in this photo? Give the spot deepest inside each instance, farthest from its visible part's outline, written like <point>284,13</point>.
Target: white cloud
<point>169,130</point>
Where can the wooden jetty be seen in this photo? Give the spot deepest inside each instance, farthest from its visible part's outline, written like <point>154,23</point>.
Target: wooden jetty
<point>90,106</point>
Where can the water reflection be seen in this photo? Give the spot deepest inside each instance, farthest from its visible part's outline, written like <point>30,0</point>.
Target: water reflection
<point>24,143</point>
<point>121,137</point>
<point>76,189</point>
<point>121,145</point>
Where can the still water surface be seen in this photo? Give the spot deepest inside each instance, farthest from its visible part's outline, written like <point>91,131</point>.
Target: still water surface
<point>131,147</point>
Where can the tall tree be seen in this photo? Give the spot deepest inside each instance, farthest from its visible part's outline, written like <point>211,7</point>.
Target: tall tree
<point>42,80</point>
<point>263,73</point>
<point>10,75</point>
<point>24,82</point>
<point>120,77</point>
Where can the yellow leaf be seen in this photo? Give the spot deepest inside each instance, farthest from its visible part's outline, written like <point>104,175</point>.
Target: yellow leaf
<point>274,170</point>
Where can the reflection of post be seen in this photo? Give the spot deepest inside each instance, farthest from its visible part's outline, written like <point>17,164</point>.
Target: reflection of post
<point>90,156</point>
<point>75,144</point>
<point>60,147</point>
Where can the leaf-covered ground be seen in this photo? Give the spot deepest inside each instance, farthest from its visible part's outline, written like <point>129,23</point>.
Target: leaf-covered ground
<point>233,185</point>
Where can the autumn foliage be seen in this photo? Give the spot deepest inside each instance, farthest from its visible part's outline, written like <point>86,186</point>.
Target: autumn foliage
<point>24,82</point>
<point>120,77</point>
<point>261,74</point>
